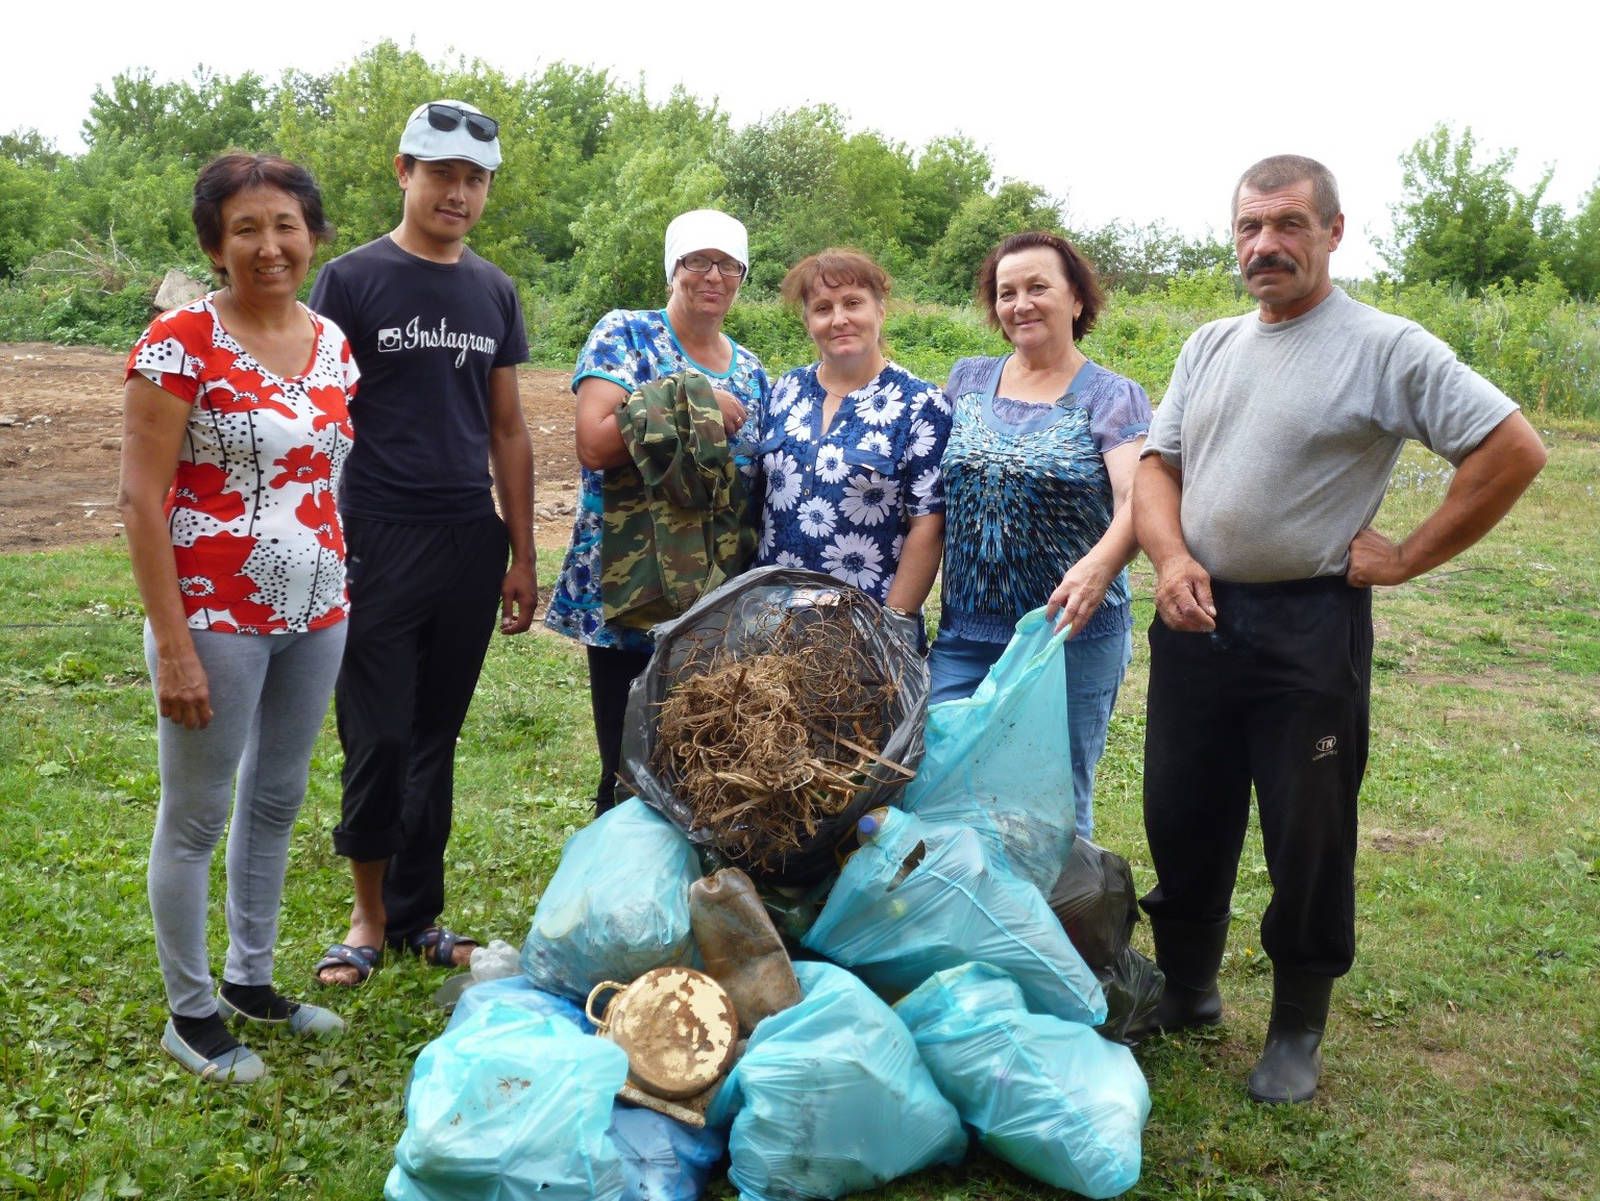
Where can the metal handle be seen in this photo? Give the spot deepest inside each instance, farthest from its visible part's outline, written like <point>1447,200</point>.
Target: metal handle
<point>599,1023</point>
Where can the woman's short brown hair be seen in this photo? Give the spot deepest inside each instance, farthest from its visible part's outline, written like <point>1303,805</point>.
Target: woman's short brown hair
<point>1080,274</point>
<point>230,174</point>
<point>834,267</point>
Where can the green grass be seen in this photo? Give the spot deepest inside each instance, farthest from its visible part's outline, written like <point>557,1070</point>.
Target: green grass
<point>1463,1055</point>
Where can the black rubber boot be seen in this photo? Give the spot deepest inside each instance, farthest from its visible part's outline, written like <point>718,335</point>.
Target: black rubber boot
<point>1189,955</point>
<point>1290,1064</point>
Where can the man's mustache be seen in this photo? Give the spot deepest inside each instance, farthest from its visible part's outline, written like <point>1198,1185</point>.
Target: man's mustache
<point>1267,262</point>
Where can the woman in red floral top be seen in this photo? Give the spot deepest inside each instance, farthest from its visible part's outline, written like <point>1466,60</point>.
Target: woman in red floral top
<point>235,429</point>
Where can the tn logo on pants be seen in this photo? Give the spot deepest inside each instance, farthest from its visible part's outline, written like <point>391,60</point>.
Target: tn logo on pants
<point>1325,746</point>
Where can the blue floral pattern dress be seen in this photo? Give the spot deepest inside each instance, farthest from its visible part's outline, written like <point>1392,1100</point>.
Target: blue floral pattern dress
<point>630,347</point>
<point>840,501</point>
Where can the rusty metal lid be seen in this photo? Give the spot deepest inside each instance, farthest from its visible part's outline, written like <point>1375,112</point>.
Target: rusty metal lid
<point>678,1027</point>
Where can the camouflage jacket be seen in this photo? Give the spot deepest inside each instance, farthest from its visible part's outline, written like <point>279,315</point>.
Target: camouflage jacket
<point>675,519</point>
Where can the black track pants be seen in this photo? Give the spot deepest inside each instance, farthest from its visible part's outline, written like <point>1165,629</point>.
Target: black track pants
<point>1278,696</point>
<point>423,603</point>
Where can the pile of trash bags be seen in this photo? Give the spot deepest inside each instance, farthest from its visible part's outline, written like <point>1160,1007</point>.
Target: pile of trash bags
<point>965,971</point>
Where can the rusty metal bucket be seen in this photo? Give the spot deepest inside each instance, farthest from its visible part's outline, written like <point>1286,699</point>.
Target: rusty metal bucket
<point>677,1025</point>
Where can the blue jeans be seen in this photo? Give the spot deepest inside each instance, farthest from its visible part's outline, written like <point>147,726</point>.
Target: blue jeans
<point>1094,666</point>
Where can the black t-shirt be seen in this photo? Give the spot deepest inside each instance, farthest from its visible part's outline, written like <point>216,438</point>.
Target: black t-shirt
<point>426,336</point>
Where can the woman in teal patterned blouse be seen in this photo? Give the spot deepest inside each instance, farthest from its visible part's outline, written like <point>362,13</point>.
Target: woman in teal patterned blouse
<point>1037,474</point>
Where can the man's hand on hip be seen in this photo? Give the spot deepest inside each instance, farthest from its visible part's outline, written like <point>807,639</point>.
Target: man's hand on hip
<point>1375,559</point>
<point>1183,596</point>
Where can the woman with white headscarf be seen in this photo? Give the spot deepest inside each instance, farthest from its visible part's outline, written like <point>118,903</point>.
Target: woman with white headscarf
<point>707,256</point>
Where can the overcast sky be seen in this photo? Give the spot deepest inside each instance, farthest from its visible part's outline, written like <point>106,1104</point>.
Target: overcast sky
<point>1135,111</point>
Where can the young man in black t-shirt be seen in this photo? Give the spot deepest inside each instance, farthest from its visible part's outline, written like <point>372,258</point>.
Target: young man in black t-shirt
<point>437,332</point>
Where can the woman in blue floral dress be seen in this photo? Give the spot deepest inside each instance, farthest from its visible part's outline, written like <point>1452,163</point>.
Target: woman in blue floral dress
<point>849,446</point>
<point>1038,475</point>
<point>707,255</point>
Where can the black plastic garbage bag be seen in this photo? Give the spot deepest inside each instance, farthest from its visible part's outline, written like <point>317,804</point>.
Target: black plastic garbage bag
<point>1095,902</point>
<point>1133,987</point>
<point>741,618</point>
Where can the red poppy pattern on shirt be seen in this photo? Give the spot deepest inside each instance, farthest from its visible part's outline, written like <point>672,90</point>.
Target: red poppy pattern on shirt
<point>255,531</point>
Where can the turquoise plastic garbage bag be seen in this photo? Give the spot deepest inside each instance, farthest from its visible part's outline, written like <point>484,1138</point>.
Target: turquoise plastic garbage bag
<point>663,1159</point>
<point>510,1106</point>
<point>517,991</point>
<point>831,1098</point>
<point>918,898</point>
<point>617,906</point>
<point>1052,1098</point>
<point>998,761</point>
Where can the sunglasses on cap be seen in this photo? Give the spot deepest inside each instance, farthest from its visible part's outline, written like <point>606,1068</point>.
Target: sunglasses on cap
<point>445,117</point>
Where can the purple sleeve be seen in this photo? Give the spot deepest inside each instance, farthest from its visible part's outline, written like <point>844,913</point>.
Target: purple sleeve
<point>1119,412</point>
<point>969,375</point>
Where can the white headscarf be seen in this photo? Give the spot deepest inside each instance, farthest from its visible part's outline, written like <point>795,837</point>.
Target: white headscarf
<point>706,229</point>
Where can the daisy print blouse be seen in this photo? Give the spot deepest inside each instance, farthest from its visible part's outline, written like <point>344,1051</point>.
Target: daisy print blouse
<point>256,535</point>
<point>840,501</point>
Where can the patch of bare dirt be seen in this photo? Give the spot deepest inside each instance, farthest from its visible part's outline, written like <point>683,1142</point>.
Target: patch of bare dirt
<point>1380,839</point>
<point>61,432</point>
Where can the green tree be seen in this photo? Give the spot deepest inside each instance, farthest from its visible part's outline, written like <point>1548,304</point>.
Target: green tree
<point>619,236</point>
<point>949,171</point>
<point>784,182</point>
<point>873,175</point>
<point>192,120</point>
<point>981,222</point>
<point>1139,258</point>
<point>785,156</point>
<point>24,208</point>
<point>30,148</point>
<point>567,130</point>
<point>30,217</point>
<point>1462,221</point>
<point>135,204</point>
<point>1580,268</point>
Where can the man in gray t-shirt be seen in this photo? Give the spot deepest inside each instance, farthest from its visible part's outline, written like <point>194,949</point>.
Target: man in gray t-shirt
<point>1264,466</point>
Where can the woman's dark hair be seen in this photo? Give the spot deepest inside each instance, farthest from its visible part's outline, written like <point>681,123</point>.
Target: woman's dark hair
<point>1080,274</point>
<point>230,174</point>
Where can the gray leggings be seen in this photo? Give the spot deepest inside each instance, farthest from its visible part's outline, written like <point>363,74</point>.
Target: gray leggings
<point>269,695</point>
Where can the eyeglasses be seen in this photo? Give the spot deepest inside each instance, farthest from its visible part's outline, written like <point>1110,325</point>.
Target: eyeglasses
<point>445,117</point>
<point>701,264</point>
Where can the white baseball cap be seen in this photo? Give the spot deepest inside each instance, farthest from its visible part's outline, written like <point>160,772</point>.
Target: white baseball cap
<point>706,229</point>
<point>443,129</point>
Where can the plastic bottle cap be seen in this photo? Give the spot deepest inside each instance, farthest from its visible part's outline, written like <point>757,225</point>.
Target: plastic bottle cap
<point>869,824</point>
